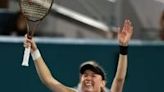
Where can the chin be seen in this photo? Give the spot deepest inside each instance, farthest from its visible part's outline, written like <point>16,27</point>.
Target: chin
<point>88,90</point>
<point>85,89</point>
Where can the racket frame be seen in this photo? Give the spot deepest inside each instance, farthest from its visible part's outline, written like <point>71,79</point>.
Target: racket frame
<point>30,31</point>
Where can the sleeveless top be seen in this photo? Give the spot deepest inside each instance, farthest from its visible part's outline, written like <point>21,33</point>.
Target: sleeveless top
<point>77,89</point>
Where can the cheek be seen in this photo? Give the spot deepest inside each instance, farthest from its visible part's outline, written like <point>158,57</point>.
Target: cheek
<point>98,82</point>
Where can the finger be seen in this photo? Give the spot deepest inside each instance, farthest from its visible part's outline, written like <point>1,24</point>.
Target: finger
<point>129,26</point>
<point>129,23</point>
<point>131,31</point>
<point>26,45</point>
<point>125,25</point>
<point>29,40</point>
<point>26,39</point>
<point>26,36</point>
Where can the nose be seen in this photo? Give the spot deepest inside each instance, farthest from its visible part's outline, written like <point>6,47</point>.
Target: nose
<point>88,77</point>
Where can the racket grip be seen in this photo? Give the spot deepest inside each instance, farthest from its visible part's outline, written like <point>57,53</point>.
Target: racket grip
<point>26,57</point>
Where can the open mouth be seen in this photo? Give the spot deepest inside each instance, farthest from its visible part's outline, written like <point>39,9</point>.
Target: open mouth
<point>88,84</point>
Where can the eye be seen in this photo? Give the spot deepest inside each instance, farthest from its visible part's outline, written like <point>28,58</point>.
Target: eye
<point>93,75</point>
<point>85,75</point>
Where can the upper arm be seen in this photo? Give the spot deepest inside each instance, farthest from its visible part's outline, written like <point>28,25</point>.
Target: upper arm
<point>118,82</point>
<point>56,86</point>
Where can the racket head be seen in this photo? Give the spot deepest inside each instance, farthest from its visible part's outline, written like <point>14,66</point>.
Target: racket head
<point>35,10</point>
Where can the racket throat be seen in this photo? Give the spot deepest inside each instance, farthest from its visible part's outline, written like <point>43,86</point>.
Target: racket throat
<point>31,28</point>
<point>29,34</point>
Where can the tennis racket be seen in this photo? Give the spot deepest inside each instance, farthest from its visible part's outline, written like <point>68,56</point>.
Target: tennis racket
<point>34,11</point>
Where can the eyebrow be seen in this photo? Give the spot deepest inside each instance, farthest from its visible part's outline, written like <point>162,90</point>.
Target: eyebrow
<point>90,73</point>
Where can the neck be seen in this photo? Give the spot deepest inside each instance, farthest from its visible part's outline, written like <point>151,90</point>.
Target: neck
<point>79,89</point>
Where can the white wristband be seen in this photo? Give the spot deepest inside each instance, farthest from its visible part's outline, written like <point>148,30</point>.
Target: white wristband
<point>35,55</point>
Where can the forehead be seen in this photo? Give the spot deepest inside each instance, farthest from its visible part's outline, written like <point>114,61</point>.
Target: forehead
<point>89,72</point>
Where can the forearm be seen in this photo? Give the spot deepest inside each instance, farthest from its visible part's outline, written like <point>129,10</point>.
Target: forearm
<point>42,70</point>
<point>121,68</point>
<point>122,63</point>
<point>46,76</point>
<point>119,79</point>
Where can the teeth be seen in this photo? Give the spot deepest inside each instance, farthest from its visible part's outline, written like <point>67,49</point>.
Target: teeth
<point>88,83</point>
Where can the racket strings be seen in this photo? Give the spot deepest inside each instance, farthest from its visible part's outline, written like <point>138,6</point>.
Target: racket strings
<point>35,11</point>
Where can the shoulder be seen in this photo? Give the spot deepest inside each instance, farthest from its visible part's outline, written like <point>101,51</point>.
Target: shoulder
<point>107,90</point>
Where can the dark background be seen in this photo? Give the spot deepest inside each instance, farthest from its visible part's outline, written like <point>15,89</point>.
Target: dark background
<point>145,66</point>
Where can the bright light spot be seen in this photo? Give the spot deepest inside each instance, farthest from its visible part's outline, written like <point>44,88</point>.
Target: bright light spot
<point>112,1</point>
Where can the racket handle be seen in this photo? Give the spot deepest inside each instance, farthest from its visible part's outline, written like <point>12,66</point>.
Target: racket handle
<point>26,57</point>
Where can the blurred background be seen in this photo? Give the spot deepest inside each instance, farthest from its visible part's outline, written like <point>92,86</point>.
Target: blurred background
<point>79,30</point>
<point>89,19</point>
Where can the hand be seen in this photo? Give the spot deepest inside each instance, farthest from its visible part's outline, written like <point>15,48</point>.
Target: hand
<point>125,34</point>
<point>30,43</point>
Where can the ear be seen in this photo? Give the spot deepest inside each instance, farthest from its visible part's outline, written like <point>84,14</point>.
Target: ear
<point>80,77</point>
<point>103,83</point>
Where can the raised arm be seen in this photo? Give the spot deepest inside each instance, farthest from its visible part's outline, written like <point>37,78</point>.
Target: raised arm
<point>42,69</point>
<point>124,37</point>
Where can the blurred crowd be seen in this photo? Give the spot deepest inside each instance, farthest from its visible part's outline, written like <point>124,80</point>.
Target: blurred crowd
<point>16,26</point>
<point>161,34</point>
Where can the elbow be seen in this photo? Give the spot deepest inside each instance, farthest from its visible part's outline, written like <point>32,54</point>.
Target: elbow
<point>120,80</point>
<point>47,80</point>
<point>120,77</point>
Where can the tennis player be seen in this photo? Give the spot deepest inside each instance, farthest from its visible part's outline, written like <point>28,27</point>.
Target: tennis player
<point>92,76</point>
